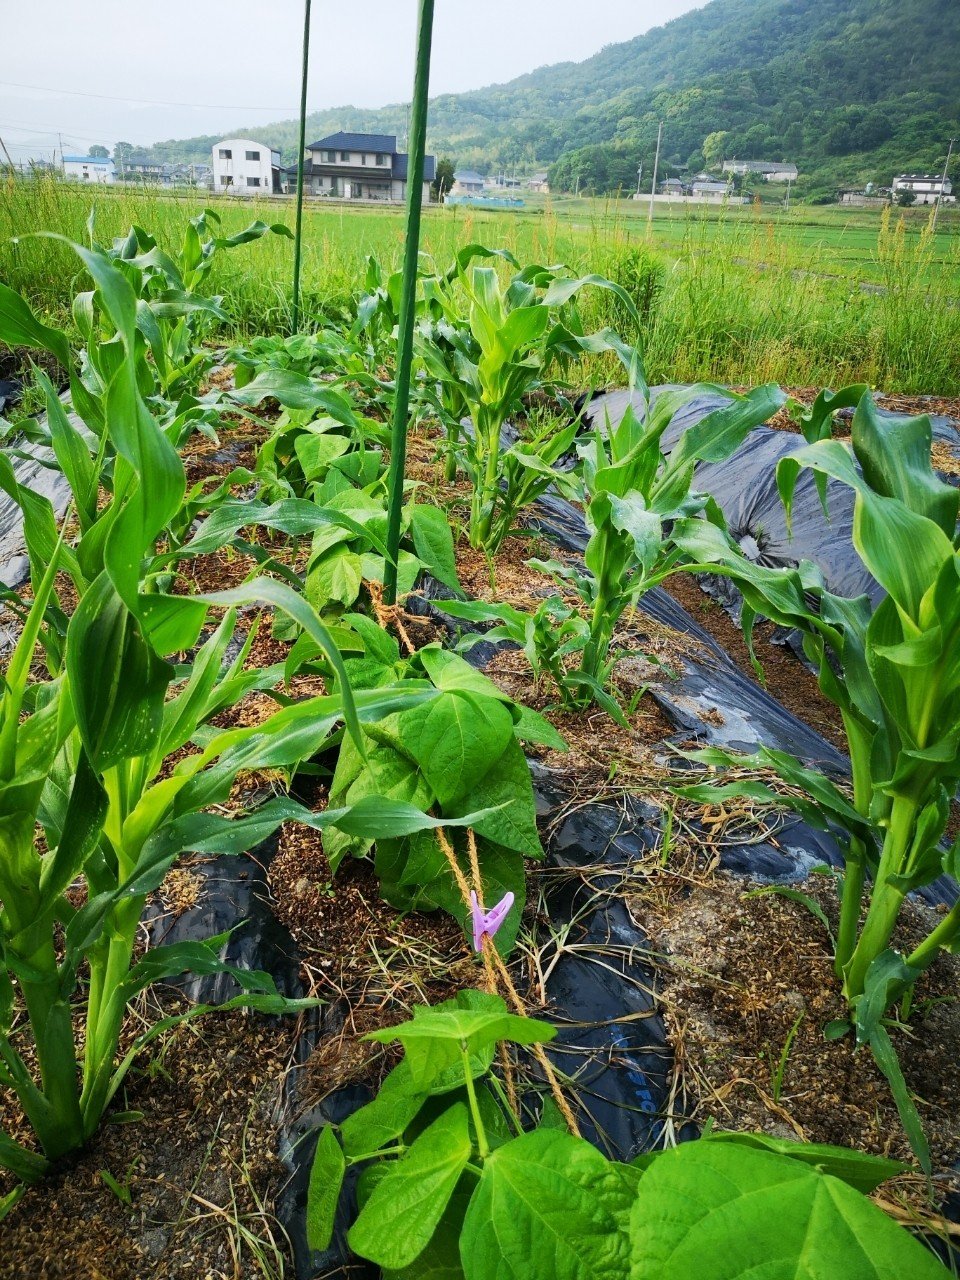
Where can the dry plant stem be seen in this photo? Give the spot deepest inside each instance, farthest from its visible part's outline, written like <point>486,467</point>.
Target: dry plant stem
<point>491,955</point>
<point>388,615</point>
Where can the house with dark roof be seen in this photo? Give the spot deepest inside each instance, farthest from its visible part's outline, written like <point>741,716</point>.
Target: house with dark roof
<point>358,166</point>
<point>467,182</point>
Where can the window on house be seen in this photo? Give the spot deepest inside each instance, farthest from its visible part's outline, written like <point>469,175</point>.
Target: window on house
<point>253,155</point>
<point>329,156</point>
<point>363,157</point>
<point>345,155</point>
<point>253,182</point>
<point>226,153</point>
<point>227,180</point>
<point>381,158</point>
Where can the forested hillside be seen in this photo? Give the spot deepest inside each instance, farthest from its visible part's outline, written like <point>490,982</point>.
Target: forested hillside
<point>850,90</point>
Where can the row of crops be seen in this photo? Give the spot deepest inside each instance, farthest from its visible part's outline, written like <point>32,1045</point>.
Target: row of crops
<point>116,757</point>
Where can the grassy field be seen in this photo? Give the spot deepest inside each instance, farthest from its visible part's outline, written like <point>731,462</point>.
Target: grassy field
<point>810,295</point>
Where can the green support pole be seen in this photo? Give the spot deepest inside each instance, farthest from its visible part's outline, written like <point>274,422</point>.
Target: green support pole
<point>295,309</point>
<point>408,295</point>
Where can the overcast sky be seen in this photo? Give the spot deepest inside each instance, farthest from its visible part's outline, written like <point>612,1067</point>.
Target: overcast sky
<point>147,71</point>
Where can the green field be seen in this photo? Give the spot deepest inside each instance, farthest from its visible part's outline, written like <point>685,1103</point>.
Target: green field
<point>740,295</point>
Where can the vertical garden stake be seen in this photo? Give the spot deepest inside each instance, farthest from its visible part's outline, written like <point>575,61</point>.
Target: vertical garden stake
<point>295,309</point>
<point>408,296</point>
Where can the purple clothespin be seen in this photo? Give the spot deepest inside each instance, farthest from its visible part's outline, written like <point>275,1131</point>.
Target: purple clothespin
<point>488,922</point>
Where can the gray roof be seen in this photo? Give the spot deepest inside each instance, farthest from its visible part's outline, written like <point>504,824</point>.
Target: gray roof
<point>356,142</point>
<point>468,175</point>
<point>400,167</point>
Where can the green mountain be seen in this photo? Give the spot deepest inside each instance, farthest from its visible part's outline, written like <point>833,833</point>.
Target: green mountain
<point>849,90</point>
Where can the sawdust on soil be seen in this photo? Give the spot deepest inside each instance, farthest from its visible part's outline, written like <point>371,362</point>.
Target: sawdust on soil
<point>748,985</point>
<point>196,1160</point>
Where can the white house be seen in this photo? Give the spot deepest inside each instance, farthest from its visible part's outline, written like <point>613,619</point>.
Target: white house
<point>927,188</point>
<point>244,167</point>
<point>358,166</point>
<point>768,170</point>
<point>94,169</point>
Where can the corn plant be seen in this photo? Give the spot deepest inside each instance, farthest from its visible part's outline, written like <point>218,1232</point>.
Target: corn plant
<point>893,673</point>
<point>452,1185</point>
<point>632,493</point>
<point>549,635</point>
<point>174,313</point>
<point>518,334</point>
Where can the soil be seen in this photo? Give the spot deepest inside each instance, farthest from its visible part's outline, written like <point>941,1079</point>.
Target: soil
<point>748,985</point>
<point>198,1165</point>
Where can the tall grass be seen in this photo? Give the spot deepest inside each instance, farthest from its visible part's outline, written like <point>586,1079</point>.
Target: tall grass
<point>742,296</point>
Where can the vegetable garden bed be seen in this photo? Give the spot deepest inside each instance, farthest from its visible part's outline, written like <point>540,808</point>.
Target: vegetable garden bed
<point>480,822</point>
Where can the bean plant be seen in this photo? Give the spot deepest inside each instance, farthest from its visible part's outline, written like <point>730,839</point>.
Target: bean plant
<point>457,1182</point>
<point>461,756</point>
<point>893,673</point>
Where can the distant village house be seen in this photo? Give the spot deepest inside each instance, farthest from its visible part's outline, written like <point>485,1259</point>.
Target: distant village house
<point>467,183</point>
<point>94,169</point>
<point>358,166</point>
<point>768,170</point>
<point>925,188</point>
<point>245,167</point>
<point>539,183</point>
<point>710,190</point>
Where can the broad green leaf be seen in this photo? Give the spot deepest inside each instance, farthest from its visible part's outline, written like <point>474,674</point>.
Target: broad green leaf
<point>433,543</point>
<point>116,679</point>
<point>385,1118</point>
<point>456,740</point>
<point>755,1214</point>
<point>337,576</point>
<point>434,1037</point>
<point>506,789</point>
<point>323,1191</point>
<point>548,1207</point>
<point>858,1169</point>
<point>19,327</point>
<point>396,1223</point>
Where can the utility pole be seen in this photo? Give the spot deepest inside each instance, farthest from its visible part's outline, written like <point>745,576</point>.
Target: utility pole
<point>787,203</point>
<point>639,176</point>
<point>298,229</point>
<point>656,165</point>
<point>943,181</point>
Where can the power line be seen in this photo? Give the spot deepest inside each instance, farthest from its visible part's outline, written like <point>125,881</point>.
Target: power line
<point>22,128</point>
<point>150,102</point>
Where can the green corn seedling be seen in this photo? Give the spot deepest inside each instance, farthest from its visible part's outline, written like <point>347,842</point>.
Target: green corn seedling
<point>500,349</point>
<point>632,493</point>
<point>894,674</point>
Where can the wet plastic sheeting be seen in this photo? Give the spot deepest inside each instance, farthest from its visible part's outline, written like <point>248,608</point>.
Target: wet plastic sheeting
<point>611,1041</point>
<point>233,896</point>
